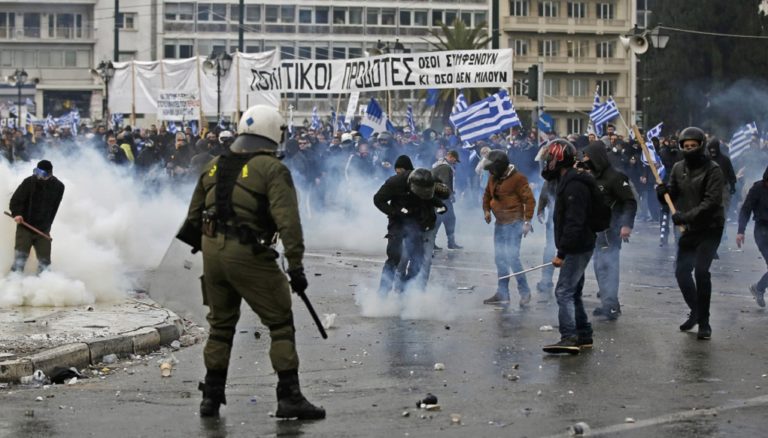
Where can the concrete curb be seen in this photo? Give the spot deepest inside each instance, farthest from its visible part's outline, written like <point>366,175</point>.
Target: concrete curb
<point>142,341</point>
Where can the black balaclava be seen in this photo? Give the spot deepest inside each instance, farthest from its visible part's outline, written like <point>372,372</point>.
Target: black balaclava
<point>696,157</point>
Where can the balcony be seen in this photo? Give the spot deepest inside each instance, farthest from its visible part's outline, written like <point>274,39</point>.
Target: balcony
<point>280,28</point>
<point>314,29</point>
<point>348,30</point>
<point>563,25</point>
<point>60,34</point>
<point>589,64</point>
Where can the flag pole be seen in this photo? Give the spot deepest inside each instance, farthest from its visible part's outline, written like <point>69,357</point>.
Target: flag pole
<point>133,94</point>
<point>639,138</point>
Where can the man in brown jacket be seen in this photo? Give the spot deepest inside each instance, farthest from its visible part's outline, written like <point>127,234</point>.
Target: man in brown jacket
<point>509,197</point>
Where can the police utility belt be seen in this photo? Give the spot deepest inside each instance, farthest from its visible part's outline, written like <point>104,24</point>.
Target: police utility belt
<point>260,242</point>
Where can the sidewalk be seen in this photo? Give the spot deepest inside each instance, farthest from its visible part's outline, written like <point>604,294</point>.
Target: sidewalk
<point>33,338</point>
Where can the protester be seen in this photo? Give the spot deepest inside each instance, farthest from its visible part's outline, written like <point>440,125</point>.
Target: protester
<point>35,203</point>
<point>696,188</point>
<point>756,206</point>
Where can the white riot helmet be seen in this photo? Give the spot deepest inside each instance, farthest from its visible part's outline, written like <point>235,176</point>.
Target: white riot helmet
<point>225,136</point>
<point>261,127</point>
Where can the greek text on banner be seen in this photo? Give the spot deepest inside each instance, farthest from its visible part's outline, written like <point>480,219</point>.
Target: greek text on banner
<point>450,69</point>
<point>178,106</point>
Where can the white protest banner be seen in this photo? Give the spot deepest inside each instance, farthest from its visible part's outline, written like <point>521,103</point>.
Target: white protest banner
<point>178,106</point>
<point>448,69</point>
<point>354,97</point>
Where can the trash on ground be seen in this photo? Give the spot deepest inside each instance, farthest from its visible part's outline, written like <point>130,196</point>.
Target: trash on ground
<point>455,418</point>
<point>430,399</point>
<point>432,407</point>
<point>465,288</point>
<point>61,375</point>
<point>512,377</point>
<point>546,328</point>
<point>165,369</point>
<point>406,414</point>
<point>257,335</point>
<point>439,366</point>
<point>176,344</point>
<point>328,319</point>
<point>578,429</point>
<point>37,378</point>
<point>629,420</point>
<point>109,359</point>
<point>29,413</point>
<point>38,398</point>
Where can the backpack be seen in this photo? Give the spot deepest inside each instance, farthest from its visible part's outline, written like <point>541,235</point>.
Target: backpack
<point>600,213</point>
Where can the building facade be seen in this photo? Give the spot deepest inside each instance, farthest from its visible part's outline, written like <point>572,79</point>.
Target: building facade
<point>577,43</point>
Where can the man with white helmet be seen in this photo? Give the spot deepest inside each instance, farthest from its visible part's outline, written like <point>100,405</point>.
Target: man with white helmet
<point>242,200</point>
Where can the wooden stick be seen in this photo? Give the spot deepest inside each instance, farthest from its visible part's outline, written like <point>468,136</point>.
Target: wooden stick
<point>24,223</point>
<point>514,274</point>
<point>652,165</point>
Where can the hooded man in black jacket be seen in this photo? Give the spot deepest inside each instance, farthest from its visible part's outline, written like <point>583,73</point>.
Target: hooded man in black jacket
<point>729,176</point>
<point>756,205</point>
<point>35,202</point>
<point>409,200</point>
<point>618,194</point>
<point>574,240</point>
<point>696,188</point>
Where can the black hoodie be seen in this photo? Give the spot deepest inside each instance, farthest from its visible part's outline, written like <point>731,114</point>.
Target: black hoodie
<point>716,153</point>
<point>571,217</point>
<point>756,203</point>
<point>614,186</point>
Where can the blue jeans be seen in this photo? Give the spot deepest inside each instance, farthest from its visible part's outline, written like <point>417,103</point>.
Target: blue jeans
<point>606,264</point>
<point>419,283</point>
<point>545,285</point>
<point>449,219</point>
<point>506,245</point>
<point>404,256</point>
<point>570,284</point>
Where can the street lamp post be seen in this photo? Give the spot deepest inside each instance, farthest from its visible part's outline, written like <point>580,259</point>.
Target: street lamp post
<point>106,71</point>
<point>20,78</point>
<point>222,62</point>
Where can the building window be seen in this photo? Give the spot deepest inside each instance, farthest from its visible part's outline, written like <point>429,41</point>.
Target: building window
<point>605,11</point>
<point>339,15</point>
<point>211,12</point>
<point>420,18</point>
<point>305,52</point>
<point>520,8</point>
<point>387,17</point>
<point>321,53</point>
<point>519,87</point>
<point>405,18</point>
<point>252,48</point>
<point>339,52</point>
<point>551,87</point>
<point>577,9</point>
<point>607,87</point>
<point>287,14</point>
<point>253,13</point>
<point>578,87</point>
<point>372,16</point>
<point>305,16</point>
<point>437,17</point>
<point>576,126</point>
<point>272,13</point>
<point>322,14</point>
<point>548,8</point>
<point>125,20</point>
<point>179,11</point>
<point>521,47</point>
<point>287,52</point>
<point>480,18</point>
<point>606,49</point>
<point>355,15</point>
<point>450,17</point>
<point>466,17</point>
<point>548,48</point>
<point>643,13</point>
<point>32,25</point>
<point>578,49</point>
<point>355,52</point>
<point>70,58</point>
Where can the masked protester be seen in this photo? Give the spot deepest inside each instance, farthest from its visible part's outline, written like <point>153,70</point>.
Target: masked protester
<point>444,171</point>
<point>409,199</point>
<point>756,206</point>
<point>242,199</point>
<point>574,241</point>
<point>35,202</point>
<point>696,188</point>
<point>617,192</point>
<point>511,200</point>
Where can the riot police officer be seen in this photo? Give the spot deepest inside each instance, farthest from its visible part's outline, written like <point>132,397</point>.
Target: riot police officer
<point>242,199</point>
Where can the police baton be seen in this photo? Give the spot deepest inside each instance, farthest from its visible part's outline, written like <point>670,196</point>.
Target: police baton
<point>311,309</point>
<point>33,229</point>
<point>525,270</point>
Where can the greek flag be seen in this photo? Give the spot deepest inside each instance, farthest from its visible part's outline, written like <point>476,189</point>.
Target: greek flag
<point>433,95</point>
<point>290,119</point>
<point>117,120</point>
<point>598,129</point>
<point>222,124</point>
<point>742,139</point>
<point>604,113</point>
<point>486,117</point>
<point>652,151</point>
<point>374,120</point>
<point>315,119</point>
<point>653,132</point>
<point>50,123</point>
<point>75,116</point>
<point>193,126</point>
<point>409,118</point>
<point>460,105</point>
<point>340,126</point>
<point>172,128</point>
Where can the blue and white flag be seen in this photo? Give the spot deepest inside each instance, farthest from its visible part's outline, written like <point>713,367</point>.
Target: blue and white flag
<point>433,95</point>
<point>598,129</point>
<point>742,139</point>
<point>604,113</point>
<point>75,116</point>
<point>222,125</point>
<point>315,120</point>
<point>653,132</point>
<point>340,126</point>
<point>117,120</point>
<point>374,120</point>
<point>409,118</point>
<point>50,124</point>
<point>460,104</point>
<point>193,126</point>
<point>486,117</point>
<point>172,128</point>
<point>654,155</point>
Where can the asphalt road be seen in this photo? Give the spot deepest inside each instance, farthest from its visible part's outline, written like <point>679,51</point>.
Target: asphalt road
<point>644,378</point>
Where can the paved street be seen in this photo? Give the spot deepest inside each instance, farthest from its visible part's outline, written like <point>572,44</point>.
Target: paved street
<point>643,378</point>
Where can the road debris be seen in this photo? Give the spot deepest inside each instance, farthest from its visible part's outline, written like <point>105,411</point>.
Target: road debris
<point>546,328</point>
<point>455,419</point>
<point>439,366</point>
<point>430,399</point>
<point>328,320</point>
<point>109,359</point>
<point>579,429</point>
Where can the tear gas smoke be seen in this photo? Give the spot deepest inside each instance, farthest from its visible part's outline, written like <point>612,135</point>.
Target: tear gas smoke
<point>108,226</point>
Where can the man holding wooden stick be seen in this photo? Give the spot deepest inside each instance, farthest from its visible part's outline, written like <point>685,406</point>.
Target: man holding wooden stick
<point>33,207</point>
<point>696,189</point>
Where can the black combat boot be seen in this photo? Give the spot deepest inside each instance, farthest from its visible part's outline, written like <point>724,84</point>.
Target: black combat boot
<point>213,393</point>
<point>689,323</point>
<point>291,403</point>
